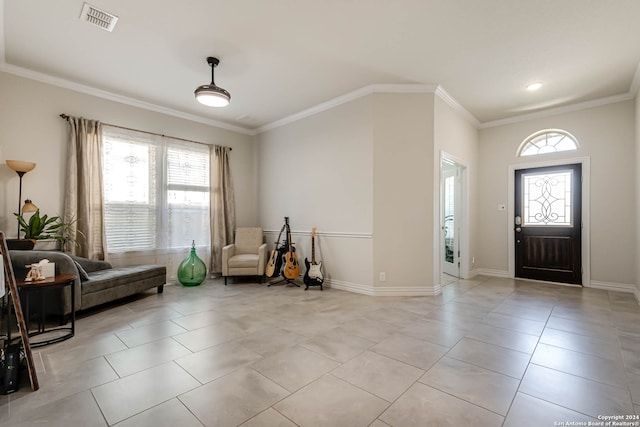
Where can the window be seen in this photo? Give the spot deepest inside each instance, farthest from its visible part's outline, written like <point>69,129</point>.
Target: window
<point>156,191</point>
<point>547,199</point>
<point>547,141</point>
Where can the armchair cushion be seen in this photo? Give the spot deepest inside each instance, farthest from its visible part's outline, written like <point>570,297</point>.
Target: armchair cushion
<point>248,240</point>
<point>244,260</point>
<point>247,256</point>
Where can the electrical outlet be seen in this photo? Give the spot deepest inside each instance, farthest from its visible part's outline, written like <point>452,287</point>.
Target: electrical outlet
<point>473,260</point>
<point>383,276</point>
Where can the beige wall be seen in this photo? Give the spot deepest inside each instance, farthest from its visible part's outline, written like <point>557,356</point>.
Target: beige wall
<point>403,191</point>
<point>31,129</point>
<point>458,139</point>
<point>606,136</point>
<point>318,171</point>
<point>362,173</point>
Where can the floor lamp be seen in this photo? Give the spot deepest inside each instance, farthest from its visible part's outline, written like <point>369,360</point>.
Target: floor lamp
<point>20,167</point>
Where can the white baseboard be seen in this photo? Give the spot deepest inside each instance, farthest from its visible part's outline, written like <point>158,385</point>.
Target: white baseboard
<point>611,286</point>
<point>396,291</point>
<point>617,287</point>
<point>349,286</point>
<point>492,273</point>
<point>435,290</point>
<point>473,273</point>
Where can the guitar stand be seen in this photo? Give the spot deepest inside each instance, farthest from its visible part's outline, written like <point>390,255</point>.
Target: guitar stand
<point>284,279</point>
<point>313,284</point>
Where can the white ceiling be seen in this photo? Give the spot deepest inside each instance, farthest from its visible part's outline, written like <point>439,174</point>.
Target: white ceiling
<point>280,57</point>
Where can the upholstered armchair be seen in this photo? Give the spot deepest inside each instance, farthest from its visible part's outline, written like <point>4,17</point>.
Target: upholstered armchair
<point>247,256</point>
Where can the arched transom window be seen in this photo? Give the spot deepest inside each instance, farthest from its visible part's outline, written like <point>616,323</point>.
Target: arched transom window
<point>547,141</point>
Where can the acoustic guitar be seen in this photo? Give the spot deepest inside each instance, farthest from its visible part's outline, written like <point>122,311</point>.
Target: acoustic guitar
<point>275,259</point>
<point>313,276</point>
<point>291,265</point>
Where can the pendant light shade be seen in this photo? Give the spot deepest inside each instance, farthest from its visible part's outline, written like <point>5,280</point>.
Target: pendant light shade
<point>212,95</point>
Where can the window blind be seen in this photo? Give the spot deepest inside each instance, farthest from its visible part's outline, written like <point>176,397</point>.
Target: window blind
<point>156,191</point>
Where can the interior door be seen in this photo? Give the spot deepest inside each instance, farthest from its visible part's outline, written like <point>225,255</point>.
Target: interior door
<point>548,223</point>
<point>450,219</point>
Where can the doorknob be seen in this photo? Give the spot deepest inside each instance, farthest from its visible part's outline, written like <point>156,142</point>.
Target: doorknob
<point>518,229</point>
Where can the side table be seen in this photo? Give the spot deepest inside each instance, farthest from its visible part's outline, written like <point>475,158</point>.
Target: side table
<point>59,282</point>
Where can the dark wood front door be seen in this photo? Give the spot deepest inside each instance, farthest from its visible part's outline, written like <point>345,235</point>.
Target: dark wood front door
<point>548,223</point>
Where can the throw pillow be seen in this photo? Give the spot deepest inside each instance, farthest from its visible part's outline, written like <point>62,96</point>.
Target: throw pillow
<point>81,271</point>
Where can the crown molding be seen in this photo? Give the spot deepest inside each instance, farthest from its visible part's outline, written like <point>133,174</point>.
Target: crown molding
<point>453,103</point>
<point>348,97</point>
<point>99,93</point>
<point>559,110</point>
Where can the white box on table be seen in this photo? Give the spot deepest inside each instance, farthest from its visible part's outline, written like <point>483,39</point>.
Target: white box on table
<point>48,269</point>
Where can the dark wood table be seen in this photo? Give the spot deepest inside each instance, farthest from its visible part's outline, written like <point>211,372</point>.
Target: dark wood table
<point>59,282</point>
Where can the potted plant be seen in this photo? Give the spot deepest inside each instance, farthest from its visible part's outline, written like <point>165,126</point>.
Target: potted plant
<point>45,231</point>
<point>36,228</point>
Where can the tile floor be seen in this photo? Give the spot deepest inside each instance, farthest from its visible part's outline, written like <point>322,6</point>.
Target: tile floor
<point>487,352</point>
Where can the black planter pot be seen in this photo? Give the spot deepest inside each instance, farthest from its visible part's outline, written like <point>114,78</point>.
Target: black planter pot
<point>20,244</point>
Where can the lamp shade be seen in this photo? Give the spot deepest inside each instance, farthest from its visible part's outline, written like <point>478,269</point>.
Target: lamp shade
<point>212,96</point>
<point>29,207</point>
<point>20,166</point>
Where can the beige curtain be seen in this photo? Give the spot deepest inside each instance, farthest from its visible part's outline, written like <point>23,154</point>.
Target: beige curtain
<point>83,196</point>
<point>222,204</point>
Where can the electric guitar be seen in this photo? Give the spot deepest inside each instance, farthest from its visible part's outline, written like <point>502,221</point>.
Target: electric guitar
<point>291,265</point>
<point>275,259</point>
<point>313,276</point>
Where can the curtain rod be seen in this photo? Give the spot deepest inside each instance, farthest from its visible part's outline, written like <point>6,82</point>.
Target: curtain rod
<point>66,117</point>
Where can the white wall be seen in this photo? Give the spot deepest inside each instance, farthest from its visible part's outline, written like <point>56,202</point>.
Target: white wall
<point>606,136</point>
<point>458,138</point>
<point>31,129</point>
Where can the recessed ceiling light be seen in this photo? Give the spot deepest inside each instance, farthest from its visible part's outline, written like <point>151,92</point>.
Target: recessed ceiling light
<point>534,86</point>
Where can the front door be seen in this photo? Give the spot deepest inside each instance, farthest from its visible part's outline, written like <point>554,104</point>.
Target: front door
<point>548,223</point>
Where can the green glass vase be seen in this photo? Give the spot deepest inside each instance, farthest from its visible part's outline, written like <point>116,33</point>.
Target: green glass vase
<point>192,270</point>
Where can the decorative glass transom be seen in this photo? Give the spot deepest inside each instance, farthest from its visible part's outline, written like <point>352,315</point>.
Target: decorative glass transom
<point>547,199</point>
<point>548,142</point>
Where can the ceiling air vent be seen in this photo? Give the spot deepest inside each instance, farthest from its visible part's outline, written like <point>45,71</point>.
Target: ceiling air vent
<point>97,17</point>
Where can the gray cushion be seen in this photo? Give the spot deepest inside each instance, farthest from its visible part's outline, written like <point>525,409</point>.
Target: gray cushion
<point>83,274</point>
<point>119,276</point>
<point>90,265</point>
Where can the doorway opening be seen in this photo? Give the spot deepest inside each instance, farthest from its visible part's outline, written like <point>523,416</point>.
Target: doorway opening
<point>451,219</point>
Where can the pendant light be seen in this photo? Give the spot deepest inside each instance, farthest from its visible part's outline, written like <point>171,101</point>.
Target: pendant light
<point>212,95</point>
